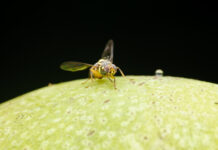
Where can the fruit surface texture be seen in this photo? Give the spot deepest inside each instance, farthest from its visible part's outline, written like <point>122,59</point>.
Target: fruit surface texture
<point>143,113</point>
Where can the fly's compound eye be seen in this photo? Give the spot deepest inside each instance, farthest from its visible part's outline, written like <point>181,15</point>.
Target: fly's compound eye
<point>106,69</point>
<point>113,70</point>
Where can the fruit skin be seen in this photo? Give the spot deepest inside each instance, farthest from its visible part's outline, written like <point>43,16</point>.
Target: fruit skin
<point>160,113</point>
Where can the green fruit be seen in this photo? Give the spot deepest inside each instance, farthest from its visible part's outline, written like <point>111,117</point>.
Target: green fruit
<point>149,113</point>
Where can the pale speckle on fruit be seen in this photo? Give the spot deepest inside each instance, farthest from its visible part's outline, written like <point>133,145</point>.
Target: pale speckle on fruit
<point>102,133</point>
<point>42,116</point>
<point>51,131</point>
<point>44,144</point>
<point>69,128</point>
<point>57,120</point>
<point>146,113</point>
<point>106,144</point>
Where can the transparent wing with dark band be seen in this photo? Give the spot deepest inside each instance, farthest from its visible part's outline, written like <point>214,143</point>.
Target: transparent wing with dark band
<point>108,52</point>
<point>74,66</point>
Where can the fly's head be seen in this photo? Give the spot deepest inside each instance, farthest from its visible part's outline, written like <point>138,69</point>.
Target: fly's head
<point>109,69</point>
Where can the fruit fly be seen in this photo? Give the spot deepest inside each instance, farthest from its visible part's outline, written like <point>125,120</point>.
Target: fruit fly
<point>103,68</point>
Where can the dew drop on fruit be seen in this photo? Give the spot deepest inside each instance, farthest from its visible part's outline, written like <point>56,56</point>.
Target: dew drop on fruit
<point>158,73</point>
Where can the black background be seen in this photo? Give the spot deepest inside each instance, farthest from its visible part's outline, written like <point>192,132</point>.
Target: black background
<point>178,37</point>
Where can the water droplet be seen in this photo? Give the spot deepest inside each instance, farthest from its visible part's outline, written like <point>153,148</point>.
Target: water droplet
<point>159,73</point>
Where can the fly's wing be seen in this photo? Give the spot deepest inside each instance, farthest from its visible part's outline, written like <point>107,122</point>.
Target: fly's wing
<point>74,66</point>
<point>108,52</point>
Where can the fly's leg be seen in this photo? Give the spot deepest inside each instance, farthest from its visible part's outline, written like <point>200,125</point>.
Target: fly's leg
<point>113,81</point>
<point>90,77</point>
<point>110,79</point>
<point>121,72</point>
<point>115,84</point>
